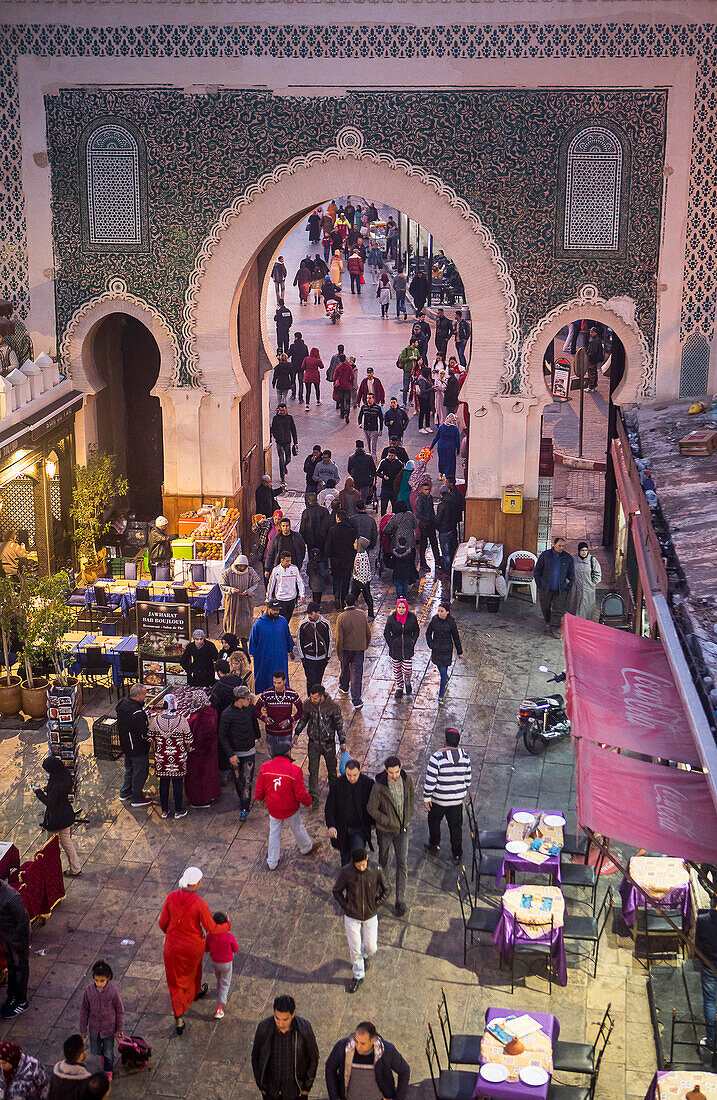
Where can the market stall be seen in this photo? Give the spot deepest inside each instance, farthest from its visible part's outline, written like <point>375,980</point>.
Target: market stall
<point>209,541</point>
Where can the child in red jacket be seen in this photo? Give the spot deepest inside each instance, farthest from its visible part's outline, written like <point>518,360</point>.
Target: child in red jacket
<point>221,947</point>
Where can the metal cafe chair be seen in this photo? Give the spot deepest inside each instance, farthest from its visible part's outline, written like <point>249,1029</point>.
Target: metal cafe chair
<point>612,612</point>
<point>590,929</point>
<point>489,838</point>
<point>461,1050</point>
<point>96,672</point>
<point>532,947</point>
<point>583,1057</point>
<point>482,865</point>
<point>661,940</point>
<point>474,919</point>
<point>128,669</point>
<point>584,876</point>
<point>557,1091</point>
<point>130,570</point>
<point>448,1084</point>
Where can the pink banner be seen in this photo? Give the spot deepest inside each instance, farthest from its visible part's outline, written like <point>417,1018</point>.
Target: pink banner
<point>621,692</point>
<point>648,805</point>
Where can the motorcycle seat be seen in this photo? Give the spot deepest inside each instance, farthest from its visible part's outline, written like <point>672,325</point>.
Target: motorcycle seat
<point>555,700</point>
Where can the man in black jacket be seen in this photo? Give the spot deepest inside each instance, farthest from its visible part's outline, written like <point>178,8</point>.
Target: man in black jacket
<point>15,940</point>
<point>396,420</point>
<point>287,541</point>
<point>238,734</point>
<point>283,319</point>
<point>310,464</point>
<point>444,331</point>
<point>448,516</point>
<point>359,891</point>
<point>313,642</point>
<point>426,519</point>
<point>371,418</point>
<point>341,552</point>
<point>346,811</point>
<point>596,356</point>
<point>362,469</point>
<point>363,1052</point>
<point>324,723</point>
<point>283,432</point>
<point>285,1055</point>
<point>265,497</point>
<point>132,726</point>
<point>198,660</point>
<point>314,524</point>
<point>298,351</point>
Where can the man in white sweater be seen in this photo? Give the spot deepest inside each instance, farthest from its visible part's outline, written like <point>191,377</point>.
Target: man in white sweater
<point>448,780</point>
<point>286,585</point>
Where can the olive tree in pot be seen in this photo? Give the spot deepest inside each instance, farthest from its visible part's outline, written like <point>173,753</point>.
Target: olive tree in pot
<point>95,486</point>
<point>57,620</point>
<point>10,691</point>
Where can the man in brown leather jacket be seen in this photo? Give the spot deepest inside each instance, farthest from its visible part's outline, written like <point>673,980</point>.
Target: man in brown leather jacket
<point>359,891</point>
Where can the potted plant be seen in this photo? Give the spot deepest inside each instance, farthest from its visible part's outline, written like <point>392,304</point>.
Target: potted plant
<point>30,626</point>
<point>95,486</point>
<point>10,691</point>
<point>57,619</point>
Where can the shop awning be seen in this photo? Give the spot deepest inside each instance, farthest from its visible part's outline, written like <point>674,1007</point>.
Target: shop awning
<point>622,696</point>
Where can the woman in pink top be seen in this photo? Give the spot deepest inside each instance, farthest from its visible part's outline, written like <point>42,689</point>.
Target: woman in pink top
<point>221,947</point>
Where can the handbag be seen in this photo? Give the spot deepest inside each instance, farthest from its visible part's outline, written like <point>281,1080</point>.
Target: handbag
<point>343,761</point>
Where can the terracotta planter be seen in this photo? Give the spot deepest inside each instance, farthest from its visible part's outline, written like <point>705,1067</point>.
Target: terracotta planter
<point>10,697</point>
<point>34,699</point>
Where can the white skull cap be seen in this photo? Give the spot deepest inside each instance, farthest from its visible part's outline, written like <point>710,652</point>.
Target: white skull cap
<point>191,877</point>
<point>161,521</point>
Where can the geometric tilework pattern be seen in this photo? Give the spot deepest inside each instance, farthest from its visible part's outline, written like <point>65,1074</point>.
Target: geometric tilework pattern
<point>694,366</point>
<point>613,41</point>
<point>592,190</point>
<point>113,199</point>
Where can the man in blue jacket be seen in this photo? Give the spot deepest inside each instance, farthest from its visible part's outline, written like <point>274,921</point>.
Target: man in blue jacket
<point>554,574</point>
<point>362,1053</point>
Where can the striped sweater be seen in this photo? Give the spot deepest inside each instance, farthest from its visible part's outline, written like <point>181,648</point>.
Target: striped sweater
<point>448,777</point>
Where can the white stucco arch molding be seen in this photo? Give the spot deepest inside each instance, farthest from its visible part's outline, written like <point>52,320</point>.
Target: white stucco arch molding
<point>347,168</point>
<point>76,348</point>
<point>618,314</point>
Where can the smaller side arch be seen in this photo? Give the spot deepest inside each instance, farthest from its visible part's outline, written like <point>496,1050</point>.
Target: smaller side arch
<point>637,380</point>
<point>76,349</point>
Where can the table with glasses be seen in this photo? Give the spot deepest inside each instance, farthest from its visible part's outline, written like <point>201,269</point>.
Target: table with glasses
<point>675,1084</point>
<point>527,854</point>
<point>526,915</point>
<point>538,1054</point>
<point>78,642</point>
<point>658,878</point>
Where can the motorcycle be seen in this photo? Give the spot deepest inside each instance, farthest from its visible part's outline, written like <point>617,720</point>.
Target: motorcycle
<point>542,720</point>
<point>334,309</point>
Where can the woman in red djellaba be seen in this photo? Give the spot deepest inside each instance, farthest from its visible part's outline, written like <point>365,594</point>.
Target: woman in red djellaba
<point>182,919</point>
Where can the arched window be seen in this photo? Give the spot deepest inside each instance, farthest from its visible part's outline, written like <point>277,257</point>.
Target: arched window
<point>114,206</point>
<point>595,175</point>
<point>695,366</point>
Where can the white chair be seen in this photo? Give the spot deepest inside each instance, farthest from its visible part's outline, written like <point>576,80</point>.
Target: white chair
<point>519,577</point>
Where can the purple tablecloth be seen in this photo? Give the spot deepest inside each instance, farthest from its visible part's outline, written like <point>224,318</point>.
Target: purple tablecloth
<point>509,930</point>
<point>516,1090</point>
<point>632,897</point>
<point>514,863</point>
<point>651,1093</point>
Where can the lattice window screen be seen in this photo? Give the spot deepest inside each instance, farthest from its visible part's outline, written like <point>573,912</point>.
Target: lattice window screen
<point>18,510</point>
<point>695,366</point>
<point>113,187</point>
<point>592,191</point>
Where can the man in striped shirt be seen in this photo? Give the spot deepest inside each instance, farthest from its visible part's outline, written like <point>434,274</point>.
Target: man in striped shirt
<point>448,779</point>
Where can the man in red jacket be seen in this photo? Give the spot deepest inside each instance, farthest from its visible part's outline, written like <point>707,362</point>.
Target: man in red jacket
<point>371,385</point>
<point>281,785</point>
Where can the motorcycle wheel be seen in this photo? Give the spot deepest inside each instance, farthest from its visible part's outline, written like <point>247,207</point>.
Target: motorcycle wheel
<point>533,742</point>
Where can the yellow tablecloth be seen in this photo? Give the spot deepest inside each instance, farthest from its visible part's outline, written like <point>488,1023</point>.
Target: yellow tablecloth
<point>538,1052</point>
<point>677,1083</point>
<point>657,875</point>
<point>534,920</point>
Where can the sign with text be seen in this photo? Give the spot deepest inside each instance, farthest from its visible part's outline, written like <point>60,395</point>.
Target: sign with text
<point>162,635</point>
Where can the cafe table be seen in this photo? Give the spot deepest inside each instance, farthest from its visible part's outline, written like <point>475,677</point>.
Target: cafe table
<point>119,594</point>
<point>675,1084</point>
<point>519,924</point>
<point>538,1052</point>
<point>110,645</point>
<point>203,597</point>
<point>528,861</point>
<point>658,878</point>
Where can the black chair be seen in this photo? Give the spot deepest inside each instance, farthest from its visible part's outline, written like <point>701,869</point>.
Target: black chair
<point>161,573</point>
<point>448,1084</point>
<point>128,669</point>
<point>661,939</point>
<point>130,570</point>
<point>612,612</point>
<point>532,947</point>
<point>101,605</point>
<point>579,847</point>
<point>461,1050</point>
<point>584,876</point>
<point>181,595</point>
<point>96,671</point>
<point>108,627</point>
<point>590,929</point>
<point>474,919</point>
<point>482,865</point>
<point>557,1091</point>
<point>583,1057</point>
<point>198,572</point>
<point>489,838</point>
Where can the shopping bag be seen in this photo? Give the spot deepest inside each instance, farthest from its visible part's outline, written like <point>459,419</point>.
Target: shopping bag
<point>362,280</point>
<point>343,761</point>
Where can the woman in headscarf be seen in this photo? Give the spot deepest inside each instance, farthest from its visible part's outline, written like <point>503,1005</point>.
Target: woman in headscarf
<point>302,279</point>
<point>348,496</point>
<point>230,644</point>
<point>337,269</point>
<point>447,441</point>
<point>182,919</point>
<point>172,738</point>
<point>239,583</point>
<point>588,575</point>
<point>419,476</point>
<point>202,778</point>
<point>22,1077</point>
<point>401,634</point>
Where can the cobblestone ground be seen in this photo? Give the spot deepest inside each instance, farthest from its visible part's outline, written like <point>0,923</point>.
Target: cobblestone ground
<point>290,934</point>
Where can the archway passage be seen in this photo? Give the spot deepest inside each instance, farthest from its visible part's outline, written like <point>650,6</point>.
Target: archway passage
<point>129,418</point>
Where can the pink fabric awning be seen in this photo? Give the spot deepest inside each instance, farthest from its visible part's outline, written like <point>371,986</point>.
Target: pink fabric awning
<point>648,805</point>
<point>621,692</point>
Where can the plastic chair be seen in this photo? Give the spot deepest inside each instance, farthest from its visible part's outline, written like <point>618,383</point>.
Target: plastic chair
<point>130,570</point>
<point>161,573</point>
<point>514,580</point>
<point>612,612</point>
<point>198,572</point>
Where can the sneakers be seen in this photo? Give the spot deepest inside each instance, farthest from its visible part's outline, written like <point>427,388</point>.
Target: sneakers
<point>432,850</point>
<point>354,985</point>
<point>398,693</point>
<point>242,815</point>
<point>165,813</point>
<point>357,706</point>
<point>144,802</point>
<point>344,691</point>
<point>125,797</point>
<point>457,859</point>
<point>400,909</point>
<point>441,699</point>
<point>182,813</point>
<point>314,848</point>
<point>12,1009</point>
<point>219,1014</point>
<point>409,689</point>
